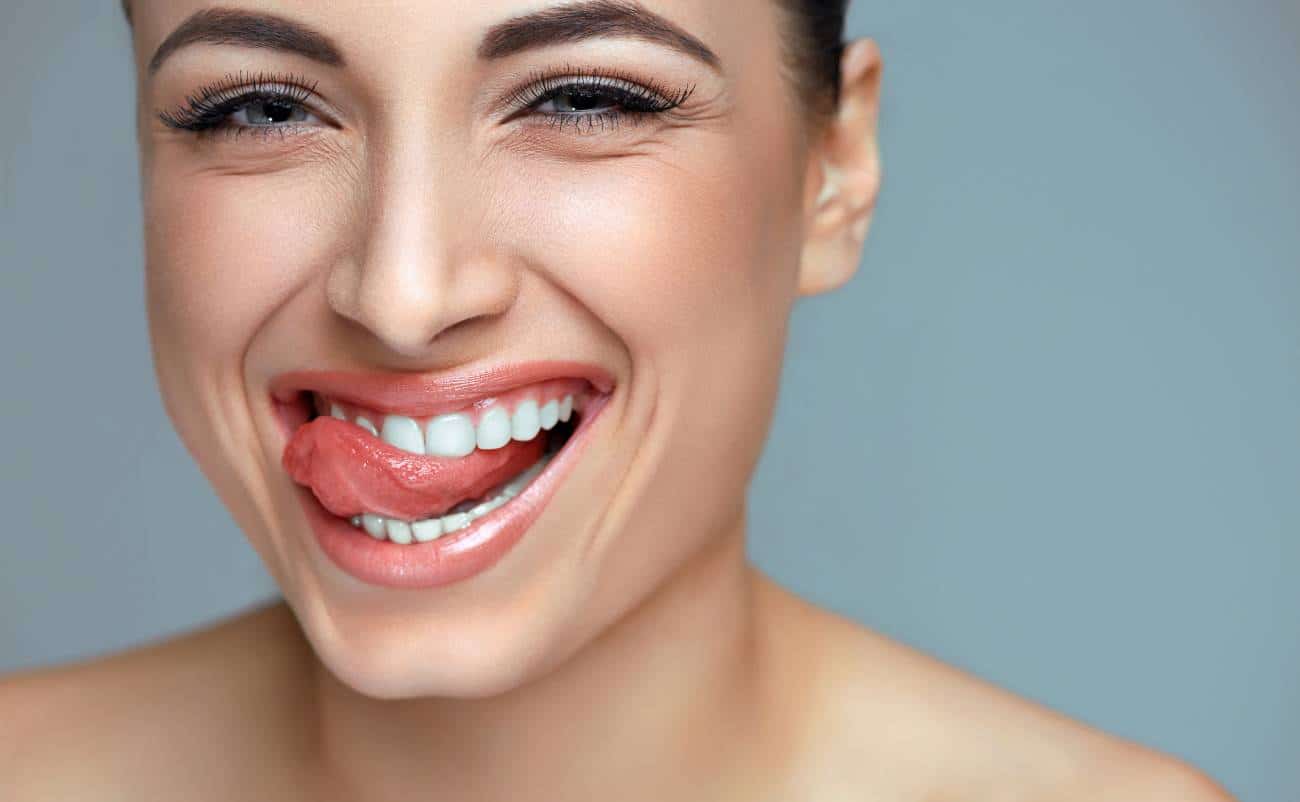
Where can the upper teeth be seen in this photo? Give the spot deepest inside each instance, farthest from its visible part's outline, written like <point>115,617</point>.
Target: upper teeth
<point>456,434</point>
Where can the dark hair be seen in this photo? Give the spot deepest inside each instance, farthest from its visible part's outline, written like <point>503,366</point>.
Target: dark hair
<point>814,40</point>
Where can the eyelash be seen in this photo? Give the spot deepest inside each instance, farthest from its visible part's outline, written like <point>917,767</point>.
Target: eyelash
<point>635,100</point>
<point>206,112</point>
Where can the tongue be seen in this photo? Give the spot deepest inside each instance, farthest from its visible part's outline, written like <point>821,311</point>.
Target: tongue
<point>352,472</point>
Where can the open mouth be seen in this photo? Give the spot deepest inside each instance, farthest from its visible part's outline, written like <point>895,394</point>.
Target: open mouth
<point>476,460</point>
<point>414,481</point>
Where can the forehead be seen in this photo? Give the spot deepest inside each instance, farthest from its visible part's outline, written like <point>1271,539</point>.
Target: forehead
<point>365,32</point>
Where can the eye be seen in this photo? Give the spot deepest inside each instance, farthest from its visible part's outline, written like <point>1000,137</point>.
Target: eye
<point>239,104</point>
<point>577,100</point>
<point>594,100</point>
<point>270,111</point>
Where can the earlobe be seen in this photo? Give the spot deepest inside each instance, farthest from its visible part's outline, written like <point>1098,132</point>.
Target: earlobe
<point>846,167</point>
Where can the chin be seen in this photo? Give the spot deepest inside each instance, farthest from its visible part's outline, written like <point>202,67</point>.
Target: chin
<point>413,657</point>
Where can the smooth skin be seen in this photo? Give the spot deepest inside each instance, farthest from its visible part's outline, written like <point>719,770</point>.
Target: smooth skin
<point>625,649</point>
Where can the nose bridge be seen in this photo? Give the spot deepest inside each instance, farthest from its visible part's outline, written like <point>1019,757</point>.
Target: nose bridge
<point>406,254</point>
<point>416,240</point>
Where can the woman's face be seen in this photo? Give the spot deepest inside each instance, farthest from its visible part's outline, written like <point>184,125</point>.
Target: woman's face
<point>423,210</point>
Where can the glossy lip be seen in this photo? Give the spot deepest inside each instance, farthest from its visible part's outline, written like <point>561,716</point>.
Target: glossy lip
<point>420,395</point>
<point>456,556</point>
<point>466,552</point>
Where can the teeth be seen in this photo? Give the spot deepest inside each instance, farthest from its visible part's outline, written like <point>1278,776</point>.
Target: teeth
<point>406,532</point>
<point>450,436</point>
<point>464,506</point>
<point>479,510</point>
<point>374,525</point>
<point>524,425</point>
<point>455,435</point>
<point>549,414</point>
<point>454,521</point>
<point>404,433</point>
<point>427,530</point>
<point>494,428</point>
<point>398,531</point>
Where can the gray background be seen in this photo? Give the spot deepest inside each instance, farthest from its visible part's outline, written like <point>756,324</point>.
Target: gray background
<point>1051,432</point>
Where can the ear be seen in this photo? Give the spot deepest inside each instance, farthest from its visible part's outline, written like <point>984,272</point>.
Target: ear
<point>843,176</point>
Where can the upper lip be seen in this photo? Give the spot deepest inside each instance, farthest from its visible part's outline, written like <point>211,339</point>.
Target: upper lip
<point>424,394</point>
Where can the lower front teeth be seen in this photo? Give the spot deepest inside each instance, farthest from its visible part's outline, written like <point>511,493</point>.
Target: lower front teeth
<point>405,532</point>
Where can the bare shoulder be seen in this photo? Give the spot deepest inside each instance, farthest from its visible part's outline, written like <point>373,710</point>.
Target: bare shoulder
<point>1142,774</point>
<point>126,725</point>
<point>911,727</point>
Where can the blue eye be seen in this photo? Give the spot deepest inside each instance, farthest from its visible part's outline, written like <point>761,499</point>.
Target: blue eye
<point>588,100</point>
<point>270,111</point>
<point>241,103</point>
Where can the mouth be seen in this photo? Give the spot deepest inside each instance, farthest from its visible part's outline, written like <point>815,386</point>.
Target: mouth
<point>414,495</point>
<point>478,459</point>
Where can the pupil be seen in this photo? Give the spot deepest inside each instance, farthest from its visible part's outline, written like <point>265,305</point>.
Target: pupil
<point>575,101</point>
<point>275,111</point>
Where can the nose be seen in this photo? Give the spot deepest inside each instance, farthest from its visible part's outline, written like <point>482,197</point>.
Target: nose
<point>424,259</point>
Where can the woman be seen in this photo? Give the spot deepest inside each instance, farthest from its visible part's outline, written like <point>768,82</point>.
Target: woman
<point>473,314</point>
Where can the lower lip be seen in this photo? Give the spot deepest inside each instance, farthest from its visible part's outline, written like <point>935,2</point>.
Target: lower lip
<point>452,557</point>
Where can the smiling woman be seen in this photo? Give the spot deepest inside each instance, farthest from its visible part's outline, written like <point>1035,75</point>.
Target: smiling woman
<point>473,315</point>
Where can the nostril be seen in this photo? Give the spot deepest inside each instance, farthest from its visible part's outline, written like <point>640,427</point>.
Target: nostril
<point>458,328</point>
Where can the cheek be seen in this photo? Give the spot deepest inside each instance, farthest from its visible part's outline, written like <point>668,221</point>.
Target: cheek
<point>665,253</point>
<point>690,260</point>
<point>223,252</point>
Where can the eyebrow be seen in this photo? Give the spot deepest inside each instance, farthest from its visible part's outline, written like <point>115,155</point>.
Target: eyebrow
<point>226,26</point>
<point>575,22</point>
<point>571,22</point>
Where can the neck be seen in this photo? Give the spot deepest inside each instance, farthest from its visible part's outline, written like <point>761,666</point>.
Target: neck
<point>670,693</point>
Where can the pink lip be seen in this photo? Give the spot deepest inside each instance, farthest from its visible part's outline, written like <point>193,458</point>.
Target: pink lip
<point>425,396</point>
<point>481,545</point>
